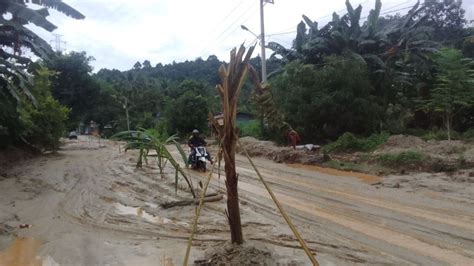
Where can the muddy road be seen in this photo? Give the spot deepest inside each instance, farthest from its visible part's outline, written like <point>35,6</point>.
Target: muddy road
<point>88,205</point>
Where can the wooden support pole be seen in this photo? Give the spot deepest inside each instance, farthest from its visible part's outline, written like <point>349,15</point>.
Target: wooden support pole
<point>282,211</point>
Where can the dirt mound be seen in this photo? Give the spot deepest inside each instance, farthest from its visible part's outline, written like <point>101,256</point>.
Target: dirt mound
<point>276,153</point>
<point>444,150</point>
<point>440,156</point>
<point>402,142</point>
<point>249,253</point>
<point>444,147</point>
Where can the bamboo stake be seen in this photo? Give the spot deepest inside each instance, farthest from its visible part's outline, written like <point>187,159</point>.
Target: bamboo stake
<point>198,212</point>
<point>280,208</point>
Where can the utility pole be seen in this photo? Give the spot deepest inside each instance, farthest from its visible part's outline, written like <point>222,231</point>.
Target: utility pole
<point>262,42</point>
<point>57,42</point>
<point>261,37</point>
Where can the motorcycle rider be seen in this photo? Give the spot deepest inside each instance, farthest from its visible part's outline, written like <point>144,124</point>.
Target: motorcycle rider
<point>195,141</point>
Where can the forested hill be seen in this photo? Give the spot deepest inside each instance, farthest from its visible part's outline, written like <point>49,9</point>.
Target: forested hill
<point>199,70</point>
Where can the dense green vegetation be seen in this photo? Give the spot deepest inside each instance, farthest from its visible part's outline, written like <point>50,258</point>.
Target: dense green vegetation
<point>250,128</point>
<point>44,123</point>
<point>348,80</point>
<point>388,74</point>
<point>350,143</point>
<point>30,116</point>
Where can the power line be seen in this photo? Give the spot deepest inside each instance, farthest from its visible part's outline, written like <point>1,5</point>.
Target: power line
<point>237,27</point>
<point>281,33</point>
<point>218,38</point>
<point>280,41</point>
<point>286,31</point>
<point>228,15</point>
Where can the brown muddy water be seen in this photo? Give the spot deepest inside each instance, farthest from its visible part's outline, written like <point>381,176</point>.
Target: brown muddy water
<point>23,252</point>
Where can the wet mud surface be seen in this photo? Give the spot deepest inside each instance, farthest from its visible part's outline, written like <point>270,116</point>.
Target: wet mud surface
<point>88,205</point>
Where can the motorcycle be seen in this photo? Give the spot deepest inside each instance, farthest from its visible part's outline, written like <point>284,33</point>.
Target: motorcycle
<point>200,158</point>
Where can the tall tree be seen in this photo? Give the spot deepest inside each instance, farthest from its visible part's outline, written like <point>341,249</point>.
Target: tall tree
<point>454,87</point>
<point>74,87</point>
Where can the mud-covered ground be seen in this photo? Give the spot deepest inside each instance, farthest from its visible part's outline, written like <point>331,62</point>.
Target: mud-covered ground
<point>88,205</point>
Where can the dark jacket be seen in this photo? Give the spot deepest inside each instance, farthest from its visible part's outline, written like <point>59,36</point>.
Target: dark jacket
<point>196,141</point>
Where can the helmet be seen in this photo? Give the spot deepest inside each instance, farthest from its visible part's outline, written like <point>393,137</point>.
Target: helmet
<point>195,131</point>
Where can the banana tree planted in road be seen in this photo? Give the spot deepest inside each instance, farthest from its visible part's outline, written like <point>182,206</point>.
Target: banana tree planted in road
<point>150,140</point>
<point>233,77</point>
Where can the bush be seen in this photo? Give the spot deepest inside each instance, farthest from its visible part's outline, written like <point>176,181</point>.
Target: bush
<point>350,143</point>
<point>325,107</point>
<point>250,128</point>
<point>469,134</point>
<point>44,124</point>
<point>401,158</point>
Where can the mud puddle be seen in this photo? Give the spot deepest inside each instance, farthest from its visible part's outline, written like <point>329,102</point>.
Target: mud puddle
<point>366,178</point>
<point>140,212</point>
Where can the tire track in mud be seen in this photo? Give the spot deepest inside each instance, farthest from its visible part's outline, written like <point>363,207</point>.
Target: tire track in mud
<point>415,233</point>
<point>84,205</point>
<point>338,216</point>
<point>386,215</point>
<point>312,179</point>
<point>389,211</point>
<point>310,185</point>
<point>376,232</point>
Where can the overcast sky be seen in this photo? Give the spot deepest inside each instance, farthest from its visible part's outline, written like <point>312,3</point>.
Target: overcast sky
<point>117,33</point>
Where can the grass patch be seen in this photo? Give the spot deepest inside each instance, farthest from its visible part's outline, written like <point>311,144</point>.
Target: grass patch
<point>346,166</point>
<point>250,128</point>
<point>402,158</point>
<point>350,143</point>
<point>356,167</point>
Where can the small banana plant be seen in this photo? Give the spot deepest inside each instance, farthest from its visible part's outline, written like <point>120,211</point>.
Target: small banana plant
<point>146,140</point>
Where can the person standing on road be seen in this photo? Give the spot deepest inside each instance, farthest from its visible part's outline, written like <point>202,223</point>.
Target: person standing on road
<point>293,138</point>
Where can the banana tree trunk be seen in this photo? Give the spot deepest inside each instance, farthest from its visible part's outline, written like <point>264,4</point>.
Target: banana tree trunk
<point>233,208</point>
<point>233,76</point>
